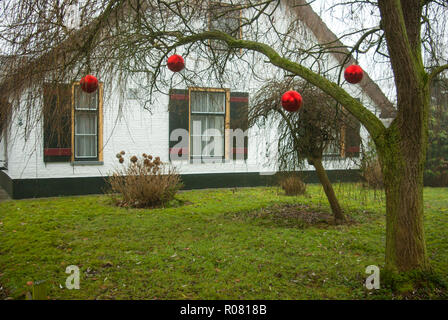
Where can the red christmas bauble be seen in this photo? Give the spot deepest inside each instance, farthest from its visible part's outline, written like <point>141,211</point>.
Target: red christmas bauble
<point>353,73</point>
<point>176,63</point>
<point>291,101</point>
<point>89,83</point>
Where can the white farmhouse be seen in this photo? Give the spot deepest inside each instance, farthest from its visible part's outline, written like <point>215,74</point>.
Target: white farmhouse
<point>74,153</point>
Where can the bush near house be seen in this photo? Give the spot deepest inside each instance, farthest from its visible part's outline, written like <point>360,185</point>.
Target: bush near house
<point>436,167</point>
<point>371,172</point>
<point>370,168</point>
<point>143,182</point>
<point>293,185</point>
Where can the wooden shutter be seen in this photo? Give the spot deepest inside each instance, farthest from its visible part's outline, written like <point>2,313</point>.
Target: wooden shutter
<point>57,122</point>
<point>352,136</point>
<point>178,119</point>
<point>239,108</point>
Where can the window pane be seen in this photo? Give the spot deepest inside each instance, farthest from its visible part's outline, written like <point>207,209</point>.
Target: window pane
<point>85,146</point>
<point>85,135</point>
<point>198,126</point>
<point>217,101</point>
<point>207,136</point>
<point>203,101</point>
<point>218,146</point>
<point>216,122</point>
<point>85,123</point>
<point>85,100</point>
<point>332,149</point>
<point>199,101</point>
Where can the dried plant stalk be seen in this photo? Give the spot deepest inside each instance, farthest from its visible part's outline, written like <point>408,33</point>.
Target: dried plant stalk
<point>143,182</point>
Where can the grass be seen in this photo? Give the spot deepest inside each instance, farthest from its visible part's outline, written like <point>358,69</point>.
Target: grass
<point>249,243</point>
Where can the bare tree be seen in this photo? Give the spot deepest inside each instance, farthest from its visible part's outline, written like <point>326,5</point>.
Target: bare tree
<point>303,135</point>
<point>124,37</point>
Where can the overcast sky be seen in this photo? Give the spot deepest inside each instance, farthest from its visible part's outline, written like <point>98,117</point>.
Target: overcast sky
<point>341,21</point>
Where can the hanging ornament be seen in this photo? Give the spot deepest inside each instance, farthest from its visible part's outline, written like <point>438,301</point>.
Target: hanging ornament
<point>89,83</point>
<point>291,101</point>
<point>176,63</point>
<point>353,74</point>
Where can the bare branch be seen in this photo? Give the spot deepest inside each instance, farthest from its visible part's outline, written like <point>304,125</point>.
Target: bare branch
<point>436,71</point>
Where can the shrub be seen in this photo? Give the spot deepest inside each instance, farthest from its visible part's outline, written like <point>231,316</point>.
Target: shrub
<point>143,182</point>
<point>293,185</point>
<point>436,167</point>
<point>370,168</point>
<point>373,177</point>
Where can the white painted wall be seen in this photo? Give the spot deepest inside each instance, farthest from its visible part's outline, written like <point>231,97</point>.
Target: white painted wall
<point>137,130</point>
<point>3,155</point>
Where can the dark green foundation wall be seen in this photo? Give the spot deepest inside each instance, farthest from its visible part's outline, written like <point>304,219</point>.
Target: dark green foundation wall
<point>6,182</point>
<point>36,188</point>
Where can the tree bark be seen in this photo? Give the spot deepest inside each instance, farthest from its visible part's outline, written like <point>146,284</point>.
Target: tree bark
<point>402,149</point>
<point>403,181</point>
<point>328,188</point>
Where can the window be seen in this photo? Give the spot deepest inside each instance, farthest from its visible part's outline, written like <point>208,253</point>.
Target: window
<point>72,126</point>
<point>226,18</point>
<point>203,116</point>
<point>207,124</point>
<point>86,124</point>
<point>352,138</point>
<point>333,149</point>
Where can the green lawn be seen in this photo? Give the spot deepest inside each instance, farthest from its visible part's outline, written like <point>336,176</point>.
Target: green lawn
<point>218,244</point>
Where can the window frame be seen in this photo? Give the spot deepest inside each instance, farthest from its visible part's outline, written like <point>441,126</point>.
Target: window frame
<point>226,91</point>
<point>99,124</point>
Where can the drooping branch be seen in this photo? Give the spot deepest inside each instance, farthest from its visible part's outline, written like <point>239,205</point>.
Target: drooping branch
<point>367,118</point>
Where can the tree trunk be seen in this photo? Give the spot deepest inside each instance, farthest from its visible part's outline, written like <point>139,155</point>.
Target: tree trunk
<point>402,148</point>
<point>328,188</point>
<point>402,167</point>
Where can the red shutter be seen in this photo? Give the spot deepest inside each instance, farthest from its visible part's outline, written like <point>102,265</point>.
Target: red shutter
<point>178,119</point>
<point>239,109</point>
<point>57,122</point>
